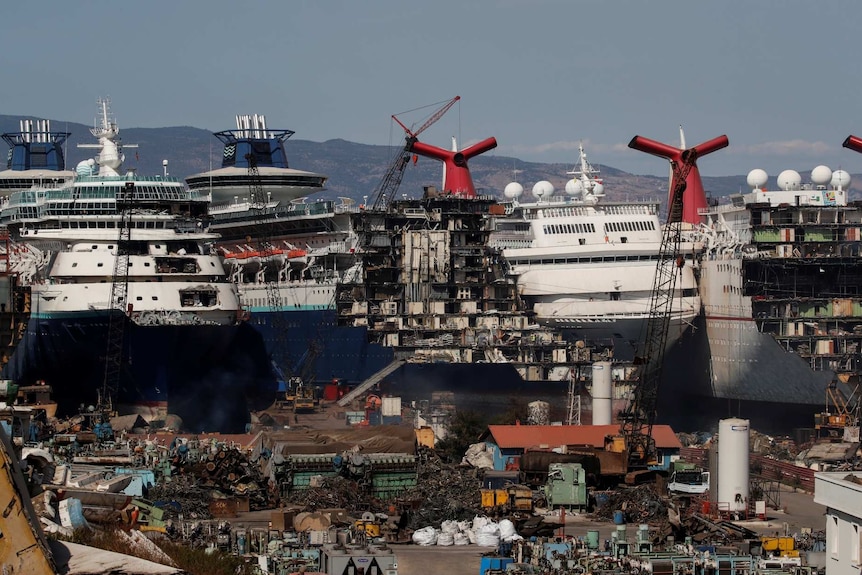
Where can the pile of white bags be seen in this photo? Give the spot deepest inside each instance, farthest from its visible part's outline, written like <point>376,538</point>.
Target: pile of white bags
<point>481,531</point>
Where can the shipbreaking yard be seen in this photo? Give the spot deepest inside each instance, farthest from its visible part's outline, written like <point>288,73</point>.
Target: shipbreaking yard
<point>323,491</point>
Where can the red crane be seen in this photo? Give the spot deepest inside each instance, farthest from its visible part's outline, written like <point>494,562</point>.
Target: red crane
<point>392,178</point>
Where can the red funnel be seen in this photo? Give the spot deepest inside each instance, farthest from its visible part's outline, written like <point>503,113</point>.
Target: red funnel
<point>694,197</point>
<point>456,174</point>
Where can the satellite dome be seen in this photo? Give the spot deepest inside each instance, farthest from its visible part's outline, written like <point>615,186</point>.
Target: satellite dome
<point>821,175</point>
<point>757,178</point>
<point>513,190</point>
<point>574,187</point>
<point>543,189</point>
<point>599,189</point>
<point>840,179</point>
<point>789,180</point>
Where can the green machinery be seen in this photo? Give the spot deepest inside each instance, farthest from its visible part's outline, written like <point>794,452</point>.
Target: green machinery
<point>566,486</point>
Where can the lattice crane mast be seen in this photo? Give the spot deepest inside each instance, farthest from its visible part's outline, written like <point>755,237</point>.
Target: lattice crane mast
<point>639,416</point>
<point>392,178</point>
<point>115,353</point>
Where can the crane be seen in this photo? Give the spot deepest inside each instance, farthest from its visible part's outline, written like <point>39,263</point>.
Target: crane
<point>392,178</point>
<point>638,418</point>
<point>118,302</point>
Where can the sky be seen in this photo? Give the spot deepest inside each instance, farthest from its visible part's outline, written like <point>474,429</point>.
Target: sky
<point>781,78</point>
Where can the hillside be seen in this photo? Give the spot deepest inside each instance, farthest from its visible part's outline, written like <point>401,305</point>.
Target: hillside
<point>354,170</point>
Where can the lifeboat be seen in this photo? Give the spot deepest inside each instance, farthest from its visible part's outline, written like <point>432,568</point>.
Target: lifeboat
<point>297,256</point>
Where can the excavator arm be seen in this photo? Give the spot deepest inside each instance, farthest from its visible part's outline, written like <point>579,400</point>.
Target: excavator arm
<point>23,548</point>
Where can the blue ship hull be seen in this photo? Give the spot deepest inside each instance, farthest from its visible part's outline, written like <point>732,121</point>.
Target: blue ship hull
<point>344,353</point>
<point>210,376</point>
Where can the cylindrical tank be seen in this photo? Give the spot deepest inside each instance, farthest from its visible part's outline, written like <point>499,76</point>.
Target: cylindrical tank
<point>538,413</point>
<point>602,393</point>
<point>733,476</point>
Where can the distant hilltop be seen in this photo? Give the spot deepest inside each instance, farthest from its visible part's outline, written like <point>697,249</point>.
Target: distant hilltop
<point>355,170</point>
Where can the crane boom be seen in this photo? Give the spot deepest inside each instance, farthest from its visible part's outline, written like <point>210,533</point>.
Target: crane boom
<point>395,173</point>
<point>119,296</point>
<point>639,417</point>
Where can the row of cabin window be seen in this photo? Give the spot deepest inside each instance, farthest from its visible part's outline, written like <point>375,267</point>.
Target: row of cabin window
<point>112,224</point>
<point>588,259</point>
<point>146,264</point>
<point>569,229</point>
<point>630,226</point>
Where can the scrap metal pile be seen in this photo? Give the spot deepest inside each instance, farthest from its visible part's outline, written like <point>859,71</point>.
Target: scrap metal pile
<point>442,492</point>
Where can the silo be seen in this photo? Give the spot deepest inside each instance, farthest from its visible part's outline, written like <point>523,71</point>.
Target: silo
<point>602,393</point>
<point>733,475</point>
<point>539,413</point>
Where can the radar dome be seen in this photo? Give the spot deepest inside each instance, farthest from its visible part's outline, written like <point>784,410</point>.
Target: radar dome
<point>789,180</point>
<point>821,175</point>
<point>840,179</point>
<point>574,187</point>
<point>513,190</point>
<point>543,189</point>
<point>757,178</point>
<point>598,189</point>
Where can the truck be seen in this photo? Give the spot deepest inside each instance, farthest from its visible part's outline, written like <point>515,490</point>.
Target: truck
<point>693,481</point>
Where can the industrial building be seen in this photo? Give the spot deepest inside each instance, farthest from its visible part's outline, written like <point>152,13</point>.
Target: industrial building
<point>841,493</point>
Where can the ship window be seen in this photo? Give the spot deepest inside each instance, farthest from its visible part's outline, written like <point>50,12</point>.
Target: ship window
<point>94,247</point>
<point>146,264</point>
<point>212,264</point>
<point>74,264</point>
<point>139,298</point>
<point>100,264</point>
<point>155,298</point>
<point>582,241</point>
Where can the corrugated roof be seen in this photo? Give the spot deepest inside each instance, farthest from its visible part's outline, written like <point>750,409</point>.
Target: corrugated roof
<point>550,436</point>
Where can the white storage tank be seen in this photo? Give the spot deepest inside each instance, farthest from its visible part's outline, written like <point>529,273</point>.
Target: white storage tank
<point>602,393</point>
<point>539,413</point>
<point>733,472</point>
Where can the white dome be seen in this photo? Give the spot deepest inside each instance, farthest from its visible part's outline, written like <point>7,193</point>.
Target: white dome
<point>85,168</point>
<point>598,189</point>
<point>513,190</point>
<point>821,175</point>
<point>574,187</point>
<point>789,180</point>
<point>840,179</point>
<point>543,189</point>
<point>757,178</point>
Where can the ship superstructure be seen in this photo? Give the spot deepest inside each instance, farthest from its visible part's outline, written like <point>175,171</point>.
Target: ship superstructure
<point>181,309</point>
<point>780,287</point>
<point>585,265</point>
<point>411,289</point>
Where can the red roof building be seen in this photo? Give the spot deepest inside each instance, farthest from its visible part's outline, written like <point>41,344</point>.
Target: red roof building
<point>509,442</point>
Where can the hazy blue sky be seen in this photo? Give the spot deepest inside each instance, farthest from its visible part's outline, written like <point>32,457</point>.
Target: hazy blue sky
<point>782,78</point>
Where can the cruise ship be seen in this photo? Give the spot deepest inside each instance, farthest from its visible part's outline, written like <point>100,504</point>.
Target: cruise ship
<point>180,348</point>
<point>340,292</point>
<point>780,277</point>
<point>586,266</point>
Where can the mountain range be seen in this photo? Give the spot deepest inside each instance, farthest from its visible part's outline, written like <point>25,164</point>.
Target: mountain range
<point>355,170</point>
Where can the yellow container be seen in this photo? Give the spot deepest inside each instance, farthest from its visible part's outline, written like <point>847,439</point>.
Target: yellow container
<point>502,497</point>
<point>488,498</point>
<point>782,544</point>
